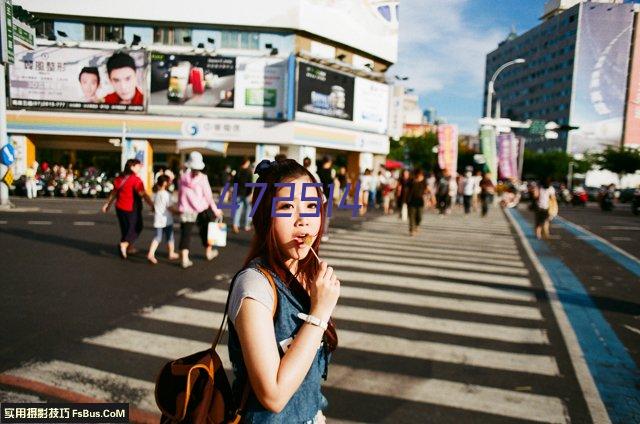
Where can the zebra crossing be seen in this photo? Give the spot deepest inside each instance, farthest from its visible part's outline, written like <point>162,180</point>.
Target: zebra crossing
<point>448,326</point>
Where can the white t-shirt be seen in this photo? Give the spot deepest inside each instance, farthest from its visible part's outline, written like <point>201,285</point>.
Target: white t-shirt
<point>469,185</point>
<point>162,215</point>
<point>543,198</point>
<point>253,284</point>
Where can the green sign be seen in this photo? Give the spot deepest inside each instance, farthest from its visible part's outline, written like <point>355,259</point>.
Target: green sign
<point>6,31</point>
<point>537,127</point>
<point>260,97</point>
<point>24,34</point>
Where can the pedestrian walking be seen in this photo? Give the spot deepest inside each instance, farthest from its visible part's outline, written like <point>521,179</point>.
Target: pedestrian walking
<point>163,219</point>
<point>327,175</point>
<point>546,207</point>
<point>283,388</point>
<point>487,191</point>
<point>128,194</point>
<point>453,192</point>
<point>197,207</point>
<point>366,182</point>
<point>388,188</point>
<point>442,193</point>
<point>242,213</point>
<point>401,194</point>
<point>415,201</point>
<point>468,188</point>
<point>30,183</point>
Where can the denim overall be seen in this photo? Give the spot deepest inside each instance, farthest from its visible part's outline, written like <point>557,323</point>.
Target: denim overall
<point>307,400</point>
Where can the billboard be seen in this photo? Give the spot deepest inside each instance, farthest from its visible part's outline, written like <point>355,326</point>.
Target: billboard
<point>632,121</point>
<point>260,87</point>
<point>371,105</point>
<point>324,92</point>
<point>600,76</point>
<point>192,80</point>
<point>69,78</point>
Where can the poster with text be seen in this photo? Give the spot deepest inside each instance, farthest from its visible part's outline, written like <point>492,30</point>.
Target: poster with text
<point>260,87</point>
<point>448,147</point>
<point>69,78</point>
<point>371,105</point>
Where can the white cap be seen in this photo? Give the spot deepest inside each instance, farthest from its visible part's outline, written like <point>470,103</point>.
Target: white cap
<point>195,161</point>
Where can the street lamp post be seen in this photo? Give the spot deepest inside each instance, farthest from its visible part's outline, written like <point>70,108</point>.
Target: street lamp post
<point>490,90</point>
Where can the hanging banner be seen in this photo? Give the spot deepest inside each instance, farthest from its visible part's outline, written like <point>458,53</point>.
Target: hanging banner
<point>70,78</point>
<point>521,141</point>
<point>448,147</point>
<point>508,156</point>
<point>488,146</point>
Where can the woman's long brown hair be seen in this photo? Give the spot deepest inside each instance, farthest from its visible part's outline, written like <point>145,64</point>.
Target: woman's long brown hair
<point>264,240</point>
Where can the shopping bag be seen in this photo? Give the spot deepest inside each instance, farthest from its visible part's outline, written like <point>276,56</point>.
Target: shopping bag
<point>404,212</point>
<point>217,234</point>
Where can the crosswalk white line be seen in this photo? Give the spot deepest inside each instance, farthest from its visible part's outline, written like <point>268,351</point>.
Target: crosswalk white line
<point>364,257</point>
<point>159,345</point>
<point>90,382</point>
<point>441,255</point>
<point>401,234</point>
<point>501,249</point>
<point>84,223</point>
<point>431,272</point>
<point>173,347</point>
<point>470,397</point>
<point>441,303</point>
<point>57,211</point>
<point>428,284</point>
<point>426,248</point>
<point>3,222</point>
<point>39,222</point>
<point>439,325</point>
<point>449,353</point>
<point>398,320</point>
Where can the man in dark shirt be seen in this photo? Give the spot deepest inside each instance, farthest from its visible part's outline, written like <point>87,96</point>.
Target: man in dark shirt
<point>242,177</point>
<point>326,178</point>
<point>415,201</point>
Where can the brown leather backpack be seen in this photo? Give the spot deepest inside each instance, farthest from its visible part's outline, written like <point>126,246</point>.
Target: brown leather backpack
<point>195,388</point>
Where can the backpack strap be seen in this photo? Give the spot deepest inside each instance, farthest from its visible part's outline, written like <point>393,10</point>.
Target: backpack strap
<point>272,283</point>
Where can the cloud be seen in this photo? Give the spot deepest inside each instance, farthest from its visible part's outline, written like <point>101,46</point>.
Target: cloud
<point>440,49</point>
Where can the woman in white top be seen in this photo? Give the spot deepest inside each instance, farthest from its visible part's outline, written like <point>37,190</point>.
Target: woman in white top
<point>546,196</point>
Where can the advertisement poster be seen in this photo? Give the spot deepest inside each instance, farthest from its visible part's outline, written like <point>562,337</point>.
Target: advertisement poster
<point>325,92</point>
<point>508,156</point>
<point>69,78</point>
<point>448,147</point>
<point>190,80</point>
<point>260,86</point>
<point>371,105</point>
<point>600,76</point>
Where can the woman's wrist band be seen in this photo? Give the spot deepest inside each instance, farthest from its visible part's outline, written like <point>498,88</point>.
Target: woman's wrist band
<point>313,320</point>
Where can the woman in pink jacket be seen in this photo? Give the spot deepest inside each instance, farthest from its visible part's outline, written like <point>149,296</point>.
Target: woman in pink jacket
<point>196,205</point>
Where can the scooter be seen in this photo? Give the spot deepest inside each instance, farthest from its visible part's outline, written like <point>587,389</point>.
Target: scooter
<point>579,198</point>
<point>606,201</point>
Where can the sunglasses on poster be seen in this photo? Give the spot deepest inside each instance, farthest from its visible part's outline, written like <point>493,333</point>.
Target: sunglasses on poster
<point>233,205</point>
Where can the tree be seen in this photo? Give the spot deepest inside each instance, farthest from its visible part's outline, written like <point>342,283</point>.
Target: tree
<point>416,151</point>
<point>554,164</point>
<point>621,160</point>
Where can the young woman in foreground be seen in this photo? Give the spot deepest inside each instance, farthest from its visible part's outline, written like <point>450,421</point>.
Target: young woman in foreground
<point>284,356</point>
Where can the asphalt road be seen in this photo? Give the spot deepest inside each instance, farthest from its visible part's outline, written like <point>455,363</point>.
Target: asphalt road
<point>455,325</point>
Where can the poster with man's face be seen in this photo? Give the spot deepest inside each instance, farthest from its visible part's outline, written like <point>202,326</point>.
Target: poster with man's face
<point>68,78</point>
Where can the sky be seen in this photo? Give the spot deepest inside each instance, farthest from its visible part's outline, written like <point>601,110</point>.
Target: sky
<point>443,45</point>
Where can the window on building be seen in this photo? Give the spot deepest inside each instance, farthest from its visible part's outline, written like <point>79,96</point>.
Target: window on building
<point>101,32</point>
<point>240,40</point>
<point>44,28</point>
<point>171,36</point>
